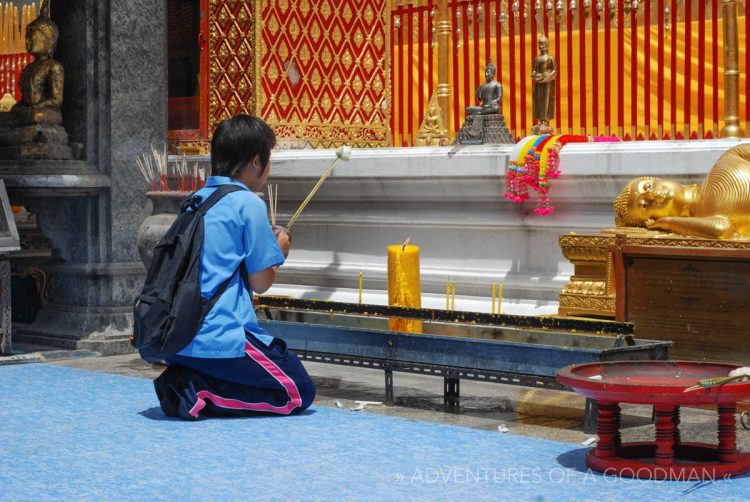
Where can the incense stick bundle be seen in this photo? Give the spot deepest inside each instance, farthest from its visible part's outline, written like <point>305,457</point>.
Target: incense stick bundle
<point>148,171</point>
<point>154,169</point>
<point>343,152</point>
<point>273,198</point>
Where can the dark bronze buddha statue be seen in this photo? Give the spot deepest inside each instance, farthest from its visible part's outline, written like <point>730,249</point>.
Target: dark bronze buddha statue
<point>485,123</point>
<point>489,94</point>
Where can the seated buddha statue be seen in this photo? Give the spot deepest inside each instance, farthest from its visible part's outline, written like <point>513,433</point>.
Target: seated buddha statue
<point>33,126</point>
<point>489,94</point>
<point>485,123</point>
<point>718,208</point>
<point>432,132</point>
<point>41,82</point>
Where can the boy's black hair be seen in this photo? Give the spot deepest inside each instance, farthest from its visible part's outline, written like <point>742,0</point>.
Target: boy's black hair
<point>237,141</point>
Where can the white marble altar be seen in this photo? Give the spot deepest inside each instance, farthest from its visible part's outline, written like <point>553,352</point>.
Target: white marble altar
<point>450,201</point>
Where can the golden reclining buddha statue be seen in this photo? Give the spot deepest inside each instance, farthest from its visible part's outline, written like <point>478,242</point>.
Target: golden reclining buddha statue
<point>718,208</point>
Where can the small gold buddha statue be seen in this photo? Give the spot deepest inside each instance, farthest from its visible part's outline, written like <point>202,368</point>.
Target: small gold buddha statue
<point>33,126</point>
<point>432,132</point>
<point>489,94</point>
<point>719,208</point>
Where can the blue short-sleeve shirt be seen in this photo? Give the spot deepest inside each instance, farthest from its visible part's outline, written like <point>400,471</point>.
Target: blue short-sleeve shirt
<point>236,228</point>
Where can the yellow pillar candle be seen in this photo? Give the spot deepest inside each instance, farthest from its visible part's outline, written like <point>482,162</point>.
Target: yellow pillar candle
<point>403,285</point>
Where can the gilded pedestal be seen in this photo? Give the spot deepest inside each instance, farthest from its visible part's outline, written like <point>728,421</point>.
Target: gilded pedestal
<point>590,291</point>
<point>689,290</point>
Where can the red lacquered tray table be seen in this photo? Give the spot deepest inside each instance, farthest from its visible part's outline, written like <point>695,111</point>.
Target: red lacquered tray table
<point>661,384</point>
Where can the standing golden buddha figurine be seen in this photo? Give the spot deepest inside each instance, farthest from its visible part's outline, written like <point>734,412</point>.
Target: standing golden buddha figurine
<point>543,75</point>
<point>719,208</point>
<point>32,129</point>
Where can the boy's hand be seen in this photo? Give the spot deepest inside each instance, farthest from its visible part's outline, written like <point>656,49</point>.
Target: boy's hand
<point>284,238</point>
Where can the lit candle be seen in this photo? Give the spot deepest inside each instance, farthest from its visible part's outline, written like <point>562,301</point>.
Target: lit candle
<point>403,285</point>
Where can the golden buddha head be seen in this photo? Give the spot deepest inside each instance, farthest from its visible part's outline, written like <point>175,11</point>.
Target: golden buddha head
<point>647,199</point>
<point>42,33</point>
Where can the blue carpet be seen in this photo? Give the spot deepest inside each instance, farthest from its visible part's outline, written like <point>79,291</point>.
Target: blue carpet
<point>68,434</point>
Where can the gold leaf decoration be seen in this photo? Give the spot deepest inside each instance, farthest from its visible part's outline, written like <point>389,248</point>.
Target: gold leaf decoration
<point>326,103</point>
<point>273,26</point>
<point>325,10</point>
<point>315,80</point>
<point>359,38</point>
<point>357,84</point>
<point>294,29</point>
<point>304,54</point>
<point>347,60</point>
<point>336,81</point>
<point>315,32</point>
<point>367,105</point>
<point>348,104</point>
<point>369,63</point>
<point>305,103</point>
<point>326,56</point>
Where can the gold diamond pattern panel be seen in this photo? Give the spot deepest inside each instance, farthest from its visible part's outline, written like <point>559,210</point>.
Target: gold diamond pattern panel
<point>323,71</point>
<point>232,36</point>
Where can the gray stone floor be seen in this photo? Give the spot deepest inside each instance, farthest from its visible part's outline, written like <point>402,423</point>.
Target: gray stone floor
<point>555,415</point>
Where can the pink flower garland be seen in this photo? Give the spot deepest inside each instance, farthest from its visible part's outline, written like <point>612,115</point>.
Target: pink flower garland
<point>534,161</point>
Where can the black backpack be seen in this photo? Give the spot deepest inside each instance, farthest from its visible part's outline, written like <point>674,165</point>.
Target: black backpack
<point>170,309</point>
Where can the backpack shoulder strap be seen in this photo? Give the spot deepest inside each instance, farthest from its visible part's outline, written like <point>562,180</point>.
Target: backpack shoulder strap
<point>213,199</point>
<point>197,203</point>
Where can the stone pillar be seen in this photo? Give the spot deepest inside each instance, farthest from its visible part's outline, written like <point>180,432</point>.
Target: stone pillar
<point>115,105</point>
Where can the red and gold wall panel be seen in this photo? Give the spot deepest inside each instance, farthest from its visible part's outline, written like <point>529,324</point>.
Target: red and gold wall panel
<point>324,72</point>
<point>232,59</point>
<point>318,71</point>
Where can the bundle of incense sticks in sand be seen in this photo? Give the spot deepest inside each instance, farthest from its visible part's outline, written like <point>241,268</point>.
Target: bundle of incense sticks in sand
<point>161,178</point>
